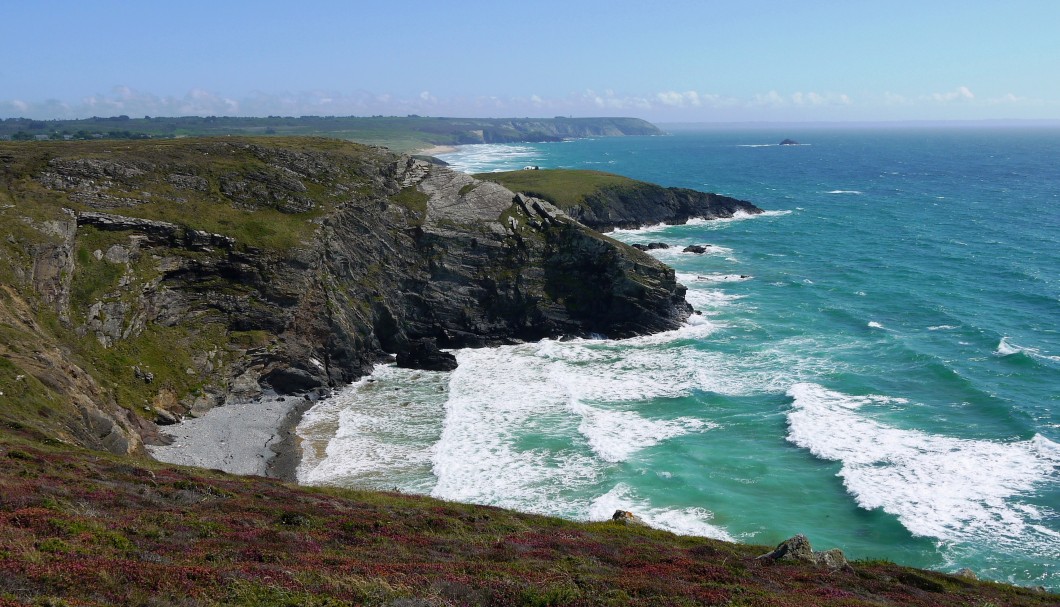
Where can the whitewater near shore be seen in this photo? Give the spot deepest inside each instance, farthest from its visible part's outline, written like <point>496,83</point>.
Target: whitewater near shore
<point>876,353</point>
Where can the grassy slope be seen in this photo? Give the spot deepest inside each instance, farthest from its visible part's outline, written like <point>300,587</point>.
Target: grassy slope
<point>564,188</point>
<point>83,528</point>
<point>210,158</point>
<point>27,326</point>
<point>402,134</point>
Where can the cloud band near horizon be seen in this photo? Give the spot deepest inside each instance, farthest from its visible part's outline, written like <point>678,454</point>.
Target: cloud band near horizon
<point>959,102</point>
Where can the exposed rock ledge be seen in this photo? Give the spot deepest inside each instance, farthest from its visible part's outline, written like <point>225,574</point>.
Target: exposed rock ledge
<point>385,256</point>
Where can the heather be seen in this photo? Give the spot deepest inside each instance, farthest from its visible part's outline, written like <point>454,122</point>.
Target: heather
<point>80,527</point>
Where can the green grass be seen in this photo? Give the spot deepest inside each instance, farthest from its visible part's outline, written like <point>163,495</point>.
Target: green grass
<point>263,227</point>
<point>565,188</point>
<point>402,134</point>
<point>93,529</point>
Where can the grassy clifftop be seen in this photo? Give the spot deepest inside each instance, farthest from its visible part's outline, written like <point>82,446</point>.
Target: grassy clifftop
<point>85,528</point>
<point>604,201</point>
<point>402,134</point>
<point>148,280</point>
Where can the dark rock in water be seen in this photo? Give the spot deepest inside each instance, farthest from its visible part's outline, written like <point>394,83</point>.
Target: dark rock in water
<point>798,548</point>
<point>651,246</point>
<point>425,354</point>
<point>695,248</point>
<point>789,142</point>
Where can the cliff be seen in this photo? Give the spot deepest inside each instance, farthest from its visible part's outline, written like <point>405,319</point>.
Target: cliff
<point>144,281</point>
<point>604,201</point>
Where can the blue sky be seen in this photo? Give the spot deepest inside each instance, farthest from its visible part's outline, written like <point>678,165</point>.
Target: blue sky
<point>666,61</point>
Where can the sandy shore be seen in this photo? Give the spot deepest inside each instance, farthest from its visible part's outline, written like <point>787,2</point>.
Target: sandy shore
<point>249,438</point>
<point>435,150</point>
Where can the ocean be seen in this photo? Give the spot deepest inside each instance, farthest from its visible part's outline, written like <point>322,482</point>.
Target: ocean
<point>877,363</point>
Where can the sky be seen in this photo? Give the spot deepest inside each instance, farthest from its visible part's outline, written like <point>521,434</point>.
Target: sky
<point>664,61</point>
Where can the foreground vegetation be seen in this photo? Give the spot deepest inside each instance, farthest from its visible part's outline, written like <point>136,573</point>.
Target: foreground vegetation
<point>86,528</point>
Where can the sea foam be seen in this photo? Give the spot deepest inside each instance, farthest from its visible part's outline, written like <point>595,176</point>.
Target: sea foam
<point>482,157</point>
<point>683,521</point>
<point>953,489</point>
<point>1007,348</point>
<point>377,432</point>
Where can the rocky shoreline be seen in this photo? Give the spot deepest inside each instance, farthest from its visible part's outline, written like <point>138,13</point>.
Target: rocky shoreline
<point>195,278</point>
<point>251,438</point>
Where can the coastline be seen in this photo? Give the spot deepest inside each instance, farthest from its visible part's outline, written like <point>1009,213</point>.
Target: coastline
<point>252,438</point>
<point>435,150</point>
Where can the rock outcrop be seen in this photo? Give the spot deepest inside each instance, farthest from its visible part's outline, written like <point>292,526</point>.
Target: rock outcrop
<point>798,548</point>
<point>184,274</point>
<point>646,204</point>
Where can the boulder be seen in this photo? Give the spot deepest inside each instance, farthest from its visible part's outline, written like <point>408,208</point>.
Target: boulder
<point>291,380</point>
<point>425,354</point>
<point>625,517</point>
<point>657,245</point>
<point>798,549</point>
<point>695,248</point>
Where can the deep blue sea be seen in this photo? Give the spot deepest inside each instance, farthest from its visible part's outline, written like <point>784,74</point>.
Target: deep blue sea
<point>877,363</point>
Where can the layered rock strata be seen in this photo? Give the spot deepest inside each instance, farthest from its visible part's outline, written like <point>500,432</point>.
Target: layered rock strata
<point>174,277</point>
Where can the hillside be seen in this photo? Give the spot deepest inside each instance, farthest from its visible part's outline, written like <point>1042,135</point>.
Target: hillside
<point>604,201</point>
<point>85,528</point>
<point>402,134</point>
<point>144,281</point>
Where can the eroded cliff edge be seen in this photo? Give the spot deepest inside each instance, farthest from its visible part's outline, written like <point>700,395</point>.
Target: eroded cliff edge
<point>146,281</point>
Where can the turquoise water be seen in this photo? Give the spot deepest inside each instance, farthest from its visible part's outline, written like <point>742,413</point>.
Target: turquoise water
<point>877,363</point>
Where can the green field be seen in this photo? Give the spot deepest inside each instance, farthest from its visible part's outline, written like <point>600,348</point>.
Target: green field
<point>401,134</point>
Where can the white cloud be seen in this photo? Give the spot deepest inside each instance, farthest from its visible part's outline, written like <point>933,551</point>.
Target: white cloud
<point>800,99</point>
<point>960,93</point>
<point>770,99</point>
<point>890,98</point>
<point>609,100</point>
<point>1006,99</point>
<point>675,99</point>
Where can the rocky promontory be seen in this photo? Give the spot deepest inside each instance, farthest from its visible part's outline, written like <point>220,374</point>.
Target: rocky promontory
<point>149,281</point>
<point>604,201</point>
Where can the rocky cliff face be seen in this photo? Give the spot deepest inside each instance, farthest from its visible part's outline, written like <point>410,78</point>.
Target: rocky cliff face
<point>153,280</point>
<point>646,203</point>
